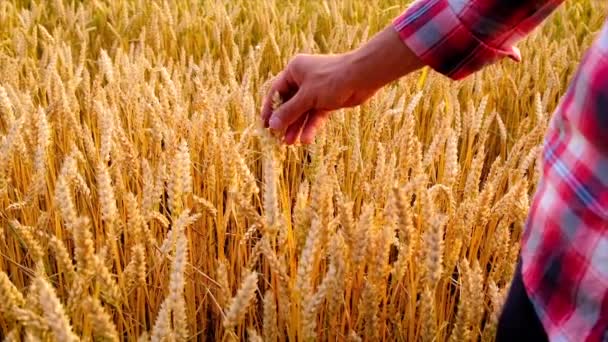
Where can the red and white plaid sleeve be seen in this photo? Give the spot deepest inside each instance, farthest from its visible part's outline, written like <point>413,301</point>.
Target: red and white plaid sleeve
<point>565,243</point>
<point>459,37</point>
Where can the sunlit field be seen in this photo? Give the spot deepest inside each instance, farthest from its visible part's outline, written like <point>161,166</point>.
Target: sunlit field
<point>140,197</point>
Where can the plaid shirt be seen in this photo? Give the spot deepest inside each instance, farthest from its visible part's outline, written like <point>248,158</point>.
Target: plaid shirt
<point>565,242</point>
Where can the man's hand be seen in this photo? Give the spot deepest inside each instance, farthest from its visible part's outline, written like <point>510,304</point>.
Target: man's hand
<point>314,85</point>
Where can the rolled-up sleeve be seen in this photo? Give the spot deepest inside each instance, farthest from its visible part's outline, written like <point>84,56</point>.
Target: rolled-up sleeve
<point>459,37</point>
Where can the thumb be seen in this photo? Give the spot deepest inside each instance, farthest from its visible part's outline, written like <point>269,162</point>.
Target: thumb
<point>289,112</point>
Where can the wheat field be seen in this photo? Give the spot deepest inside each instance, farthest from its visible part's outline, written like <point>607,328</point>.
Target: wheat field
<point>140,199</point>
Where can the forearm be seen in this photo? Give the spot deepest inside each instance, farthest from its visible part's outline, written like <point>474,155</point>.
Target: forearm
<point>314,85</point>
<point>380,61</point>
<point>484,29</point>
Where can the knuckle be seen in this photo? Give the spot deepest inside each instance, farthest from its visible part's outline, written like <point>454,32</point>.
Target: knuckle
<point>297,60</point>
<point>292,62</point>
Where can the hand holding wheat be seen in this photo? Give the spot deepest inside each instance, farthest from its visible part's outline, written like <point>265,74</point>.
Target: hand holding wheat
<point>315,85</point>
<point>312,86</point>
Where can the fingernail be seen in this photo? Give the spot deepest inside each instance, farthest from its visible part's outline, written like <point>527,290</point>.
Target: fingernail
<point>274,122</point>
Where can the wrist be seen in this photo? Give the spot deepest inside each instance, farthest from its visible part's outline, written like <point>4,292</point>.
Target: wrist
<point>385,58</point>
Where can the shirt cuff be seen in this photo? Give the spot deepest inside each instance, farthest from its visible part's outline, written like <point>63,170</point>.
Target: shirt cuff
<point>435,33</point>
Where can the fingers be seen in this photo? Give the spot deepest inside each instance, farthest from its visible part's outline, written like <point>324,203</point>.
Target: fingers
<point>281,84</point>
<point>290,111</point>
<point>293,132</point>
<point>314,123</point>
